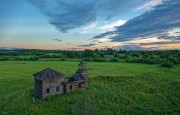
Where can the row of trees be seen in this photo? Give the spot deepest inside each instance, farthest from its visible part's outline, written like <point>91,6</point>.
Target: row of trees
<point>164,58</point>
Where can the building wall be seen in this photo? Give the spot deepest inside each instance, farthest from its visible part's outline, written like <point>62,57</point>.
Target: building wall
<point>73,86</point>
<point>38,88</point>
<point>85,75</point>
<point>58,86</point>
<point>53,87</point>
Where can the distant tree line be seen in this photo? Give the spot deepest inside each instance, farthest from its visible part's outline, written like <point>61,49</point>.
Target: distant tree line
<point>167,58</point>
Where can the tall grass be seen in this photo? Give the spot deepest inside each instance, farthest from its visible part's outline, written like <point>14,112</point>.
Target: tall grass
<point>153,91</point>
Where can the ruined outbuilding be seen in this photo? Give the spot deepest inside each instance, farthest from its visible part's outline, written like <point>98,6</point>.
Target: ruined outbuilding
<point>51,82</point>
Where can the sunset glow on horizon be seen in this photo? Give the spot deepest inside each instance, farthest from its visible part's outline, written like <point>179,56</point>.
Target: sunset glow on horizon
<point>92,24</point>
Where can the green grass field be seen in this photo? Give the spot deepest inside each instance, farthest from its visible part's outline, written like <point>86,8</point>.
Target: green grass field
<point>115,88</point>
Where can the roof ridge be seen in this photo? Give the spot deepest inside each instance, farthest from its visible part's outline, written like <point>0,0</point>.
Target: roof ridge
<point>46,72</point>
<point>82,76</point>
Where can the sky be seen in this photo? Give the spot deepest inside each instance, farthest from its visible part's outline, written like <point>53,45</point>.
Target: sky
<point>90,24</point>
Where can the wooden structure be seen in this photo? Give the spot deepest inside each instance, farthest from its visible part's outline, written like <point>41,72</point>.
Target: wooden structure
<point>48,82</point>
<point>51,82</point>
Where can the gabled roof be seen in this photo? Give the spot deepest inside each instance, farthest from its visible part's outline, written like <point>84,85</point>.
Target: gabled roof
<point>80,76</point>
<point>48,74</point>
<point>77,77</point>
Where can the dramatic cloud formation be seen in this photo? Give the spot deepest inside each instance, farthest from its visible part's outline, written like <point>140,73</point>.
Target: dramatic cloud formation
<point>69,14</point>
<point>159,22</point>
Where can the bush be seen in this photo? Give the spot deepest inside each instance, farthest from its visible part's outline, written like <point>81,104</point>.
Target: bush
<point>99,60</point>
<point>128,60</point>
<point>33,58</point>
<point>135,55</point>
<point>114,60</point>
<point>157,60</point>
<point>115,55</point>
<point>63,59</point>
<point>102,55</point>
<point>166,63</point>
<point>148,61</point>
<point>123,57</point>
<point>88,59</point>
<point>173,60</point>
<point>4,59</point>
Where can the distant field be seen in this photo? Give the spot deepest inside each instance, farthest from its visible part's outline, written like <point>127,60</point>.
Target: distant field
<point>115,88</point>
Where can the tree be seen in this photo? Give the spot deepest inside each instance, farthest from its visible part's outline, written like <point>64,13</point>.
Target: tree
<point>102,55</point>
<point>33,58</point>
<point>88,53</point>
<point>173,60</point>
<point>114,60</point>
<point>166,63</point>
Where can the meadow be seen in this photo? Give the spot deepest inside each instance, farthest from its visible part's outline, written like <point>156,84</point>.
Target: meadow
<point>115,88</point>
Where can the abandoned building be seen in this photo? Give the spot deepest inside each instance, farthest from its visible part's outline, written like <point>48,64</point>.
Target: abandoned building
<point>51,82</point>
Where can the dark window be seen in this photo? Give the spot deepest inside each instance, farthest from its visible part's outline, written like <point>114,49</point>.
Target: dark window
<point>47,90</point>
<point>57,89</point>
<point>70,87</point>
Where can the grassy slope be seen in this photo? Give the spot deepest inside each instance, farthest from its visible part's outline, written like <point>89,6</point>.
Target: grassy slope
<point>115,88</point>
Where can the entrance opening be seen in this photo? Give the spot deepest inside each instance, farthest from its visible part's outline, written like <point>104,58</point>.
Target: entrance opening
<point>47,90</point>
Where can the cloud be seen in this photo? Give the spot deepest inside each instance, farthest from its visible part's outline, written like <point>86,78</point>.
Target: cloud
<point>150,46</point>
<point>150,4</point>
<point>161,43</point>
<point>75,48</point>
<point>89,28</point>
<point>101,40</point>
<point>57,40</point>
<point>95,27</point>
<point>112,26</point>
<point>155,23</point>
<point>70,14</point>
<point>87,45</point>
<point>130,47</point>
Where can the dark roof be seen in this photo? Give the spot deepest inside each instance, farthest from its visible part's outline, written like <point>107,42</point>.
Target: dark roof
<point>79,76</point>
<point>48,74</point>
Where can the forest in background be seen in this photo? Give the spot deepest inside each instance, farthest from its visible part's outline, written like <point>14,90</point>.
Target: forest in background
<point>167,58</point>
